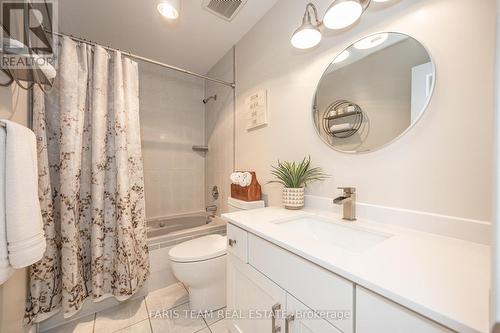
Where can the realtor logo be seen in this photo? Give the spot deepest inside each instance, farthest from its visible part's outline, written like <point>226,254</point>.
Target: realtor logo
<point>25,37</point>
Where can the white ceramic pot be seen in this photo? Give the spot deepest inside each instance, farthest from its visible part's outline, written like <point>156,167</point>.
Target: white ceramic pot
<point>293,198</point>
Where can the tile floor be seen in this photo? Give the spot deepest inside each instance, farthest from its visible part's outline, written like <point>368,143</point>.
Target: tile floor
<point>161,311</point>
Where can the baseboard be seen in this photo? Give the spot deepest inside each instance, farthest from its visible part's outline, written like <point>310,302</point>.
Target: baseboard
<point>451,226</point>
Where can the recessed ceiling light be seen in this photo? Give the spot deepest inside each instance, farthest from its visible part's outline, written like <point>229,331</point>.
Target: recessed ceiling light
<point>169,8</point>
<point>341,57</point>
<point>371,41</point>
<point>342,13</point>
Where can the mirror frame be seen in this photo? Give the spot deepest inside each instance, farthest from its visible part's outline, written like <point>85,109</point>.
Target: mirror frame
<point>409,128</point>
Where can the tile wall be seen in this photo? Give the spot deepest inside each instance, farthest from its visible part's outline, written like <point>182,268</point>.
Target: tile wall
<point>172,121</point>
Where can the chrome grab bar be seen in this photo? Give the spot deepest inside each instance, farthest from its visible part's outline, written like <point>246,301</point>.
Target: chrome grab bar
<point>275,309</point>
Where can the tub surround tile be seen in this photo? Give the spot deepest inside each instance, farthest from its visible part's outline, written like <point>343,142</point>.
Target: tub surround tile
<point>169,244</point>
<point>83,325</point>
<point>122,316</point>
<point>159,259</point>
<point>170,126</point>
<point>153,247</point>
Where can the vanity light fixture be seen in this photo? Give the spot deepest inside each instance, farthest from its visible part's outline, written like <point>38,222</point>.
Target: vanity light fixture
<point>372,41</point>
<point>339,15</point>
<point>308,34</point>
<point>169,8</point>
<point>343,13</point>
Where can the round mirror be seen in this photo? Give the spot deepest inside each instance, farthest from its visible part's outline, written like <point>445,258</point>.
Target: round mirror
<point>373,92</point>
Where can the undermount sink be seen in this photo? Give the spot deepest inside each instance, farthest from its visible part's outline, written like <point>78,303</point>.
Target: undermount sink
<point>351,238</point>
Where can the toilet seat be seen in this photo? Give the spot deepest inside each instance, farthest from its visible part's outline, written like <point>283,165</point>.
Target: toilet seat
<point>199,249</point>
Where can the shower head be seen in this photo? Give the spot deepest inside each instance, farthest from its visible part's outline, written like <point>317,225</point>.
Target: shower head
<point>214,97</point>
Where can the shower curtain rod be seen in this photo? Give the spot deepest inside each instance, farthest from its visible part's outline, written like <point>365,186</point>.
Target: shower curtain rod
<point>151,61</point>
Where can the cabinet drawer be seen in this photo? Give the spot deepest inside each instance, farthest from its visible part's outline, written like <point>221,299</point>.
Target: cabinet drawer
<point>377,314</point>
<point>314,286</point>
<point>237,242</point>
<point>304,319</point>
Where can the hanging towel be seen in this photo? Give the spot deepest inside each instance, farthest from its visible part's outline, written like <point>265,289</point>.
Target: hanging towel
<point>6,269</point>
<point>23,218</point>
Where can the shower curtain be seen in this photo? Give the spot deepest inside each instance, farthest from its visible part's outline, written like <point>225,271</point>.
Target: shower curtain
<point>91,185</point>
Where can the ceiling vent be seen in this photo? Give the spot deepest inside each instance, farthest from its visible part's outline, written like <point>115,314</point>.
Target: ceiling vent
<point>226,9</point>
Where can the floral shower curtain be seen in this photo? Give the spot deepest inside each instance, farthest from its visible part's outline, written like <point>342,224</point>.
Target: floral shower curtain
<point>91,184</point>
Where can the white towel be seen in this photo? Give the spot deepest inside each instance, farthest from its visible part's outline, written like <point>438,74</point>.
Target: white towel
<point>235,177</point>
<point>241,178</point>
<point>6,269</point>
<point>246,179</point>
<point>340,127</point>
<point>25,236</point>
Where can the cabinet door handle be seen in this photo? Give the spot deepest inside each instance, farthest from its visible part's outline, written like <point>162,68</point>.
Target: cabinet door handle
<point>231,242</point>
<point>275,309</point>
<point>288,319</point>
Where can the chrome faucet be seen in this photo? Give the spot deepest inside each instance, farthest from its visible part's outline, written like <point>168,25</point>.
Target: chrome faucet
<point>348,202</point>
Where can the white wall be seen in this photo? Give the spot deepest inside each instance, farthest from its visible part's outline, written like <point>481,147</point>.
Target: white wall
<point>444,165</point>
<point>495,262</point>
<point>172,121</point>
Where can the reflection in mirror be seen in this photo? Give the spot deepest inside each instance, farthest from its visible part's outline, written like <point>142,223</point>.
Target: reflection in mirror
<point>373,92</point>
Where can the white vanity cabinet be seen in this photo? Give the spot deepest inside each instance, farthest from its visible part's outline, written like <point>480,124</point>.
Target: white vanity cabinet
<point>262,276</point>
<point>253,299</point>
<point>374,313</point>
<point>259,279</point>
<point>317,288</point>
<point>250,294</point>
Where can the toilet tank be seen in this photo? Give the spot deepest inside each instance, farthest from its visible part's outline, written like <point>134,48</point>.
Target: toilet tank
<point>235,205</point>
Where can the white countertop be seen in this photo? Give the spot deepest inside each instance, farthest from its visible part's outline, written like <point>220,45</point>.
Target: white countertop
<point>442,278</point>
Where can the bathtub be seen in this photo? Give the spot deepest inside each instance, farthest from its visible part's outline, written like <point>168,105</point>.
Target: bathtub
<point>168,231</point>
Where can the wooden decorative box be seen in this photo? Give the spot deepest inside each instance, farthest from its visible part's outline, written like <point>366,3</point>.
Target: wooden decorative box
<point>251,192</point>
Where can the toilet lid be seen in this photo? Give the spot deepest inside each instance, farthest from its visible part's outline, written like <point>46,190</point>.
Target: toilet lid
<point>203,248</point>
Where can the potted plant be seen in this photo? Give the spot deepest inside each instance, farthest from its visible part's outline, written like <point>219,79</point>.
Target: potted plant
<point>295,177</point>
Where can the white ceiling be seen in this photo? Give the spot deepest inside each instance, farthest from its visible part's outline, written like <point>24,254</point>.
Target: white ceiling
<point>196,42</point>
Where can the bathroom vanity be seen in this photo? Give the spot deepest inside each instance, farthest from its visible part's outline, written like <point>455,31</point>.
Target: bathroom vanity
<point>294,271</point>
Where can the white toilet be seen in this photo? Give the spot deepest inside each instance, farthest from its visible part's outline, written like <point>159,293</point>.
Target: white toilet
<point>201,265</point>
